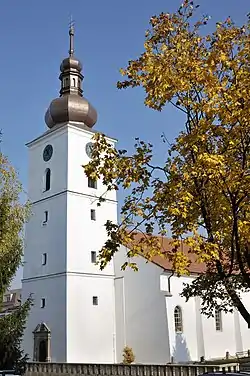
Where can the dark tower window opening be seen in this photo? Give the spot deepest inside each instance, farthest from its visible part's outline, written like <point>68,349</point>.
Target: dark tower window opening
<point>43,302</point>
<point>93,257</point>
<point>44,259</point>
<point>92,214</point>
<point>46,217</point>
<point>47,179</point>
<point>95,300</point>
<point>92,183</point>
<point>74,82</point>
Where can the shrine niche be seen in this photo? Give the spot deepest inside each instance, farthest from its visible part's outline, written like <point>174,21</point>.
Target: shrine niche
<point>42,336</point>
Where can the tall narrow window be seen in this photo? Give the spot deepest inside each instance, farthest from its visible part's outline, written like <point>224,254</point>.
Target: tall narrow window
<point>44,258</point>
<point>42,302</point>
<point>92,183</point>
<point>95,300</point>
<point>46,217</point>
<point>66,82</point>
<point>218,320</point>
<point>92,214</point>
<point>74,82</point>
<point>93,257</point>
<point>47,179</point>
<point>178,320</point>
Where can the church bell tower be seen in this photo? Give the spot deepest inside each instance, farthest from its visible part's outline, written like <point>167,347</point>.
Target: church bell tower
<point>73,316</point>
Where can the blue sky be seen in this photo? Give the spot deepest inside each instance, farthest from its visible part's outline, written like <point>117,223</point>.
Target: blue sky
<point>34,40</point>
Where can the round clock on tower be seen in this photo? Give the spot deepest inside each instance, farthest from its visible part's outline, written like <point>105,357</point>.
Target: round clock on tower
<point>88,149</point>
<point>47,153</point>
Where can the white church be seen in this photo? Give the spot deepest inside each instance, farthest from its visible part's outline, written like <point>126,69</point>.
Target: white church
<point>81,314</point>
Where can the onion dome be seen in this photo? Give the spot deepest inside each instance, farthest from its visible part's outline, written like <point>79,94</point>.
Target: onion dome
<point>71,63</point>
<point>71,105</point>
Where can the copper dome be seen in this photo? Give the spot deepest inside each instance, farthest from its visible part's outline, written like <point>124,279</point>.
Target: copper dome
<point>70,108</point>
<point>70,63</point>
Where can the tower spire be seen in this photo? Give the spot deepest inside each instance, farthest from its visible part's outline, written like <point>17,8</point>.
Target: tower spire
<point>71,37</point>
<point>71,106</point>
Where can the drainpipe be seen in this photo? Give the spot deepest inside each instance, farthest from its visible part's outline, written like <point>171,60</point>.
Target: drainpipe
<point>169,287</point>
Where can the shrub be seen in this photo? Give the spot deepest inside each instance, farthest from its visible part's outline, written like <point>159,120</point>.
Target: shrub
<point>128,355</point>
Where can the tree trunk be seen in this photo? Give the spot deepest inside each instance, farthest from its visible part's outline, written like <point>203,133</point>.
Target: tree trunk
<point>239,305</point>
<point>233,295</point>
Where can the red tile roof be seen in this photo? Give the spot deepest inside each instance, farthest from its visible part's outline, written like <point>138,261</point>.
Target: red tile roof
<point>163,262</point>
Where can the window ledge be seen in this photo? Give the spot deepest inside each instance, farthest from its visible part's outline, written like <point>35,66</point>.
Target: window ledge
<point>167,294</point>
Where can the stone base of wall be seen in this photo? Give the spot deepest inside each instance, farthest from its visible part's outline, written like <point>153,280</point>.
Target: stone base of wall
<point>244,364</point>
<point>66,369</point>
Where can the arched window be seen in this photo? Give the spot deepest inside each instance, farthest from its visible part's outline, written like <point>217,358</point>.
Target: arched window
<point>178,324</point>
<point>47,179</point>
<point>74,82</point>
<point>218,319</point>
<point>66,82</point>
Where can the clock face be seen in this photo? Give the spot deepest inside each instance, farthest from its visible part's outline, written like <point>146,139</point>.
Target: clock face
<point>89,147</point>
<point>47,153</point>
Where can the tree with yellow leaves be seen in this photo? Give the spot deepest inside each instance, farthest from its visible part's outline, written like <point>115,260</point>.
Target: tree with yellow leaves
<point>202,191</point>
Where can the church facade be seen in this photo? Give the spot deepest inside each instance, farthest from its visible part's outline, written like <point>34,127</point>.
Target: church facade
<point>161,326</point>
<point>81,314</point>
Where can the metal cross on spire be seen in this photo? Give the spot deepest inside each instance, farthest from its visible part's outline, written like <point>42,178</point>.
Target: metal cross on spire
<point>71,36</point>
